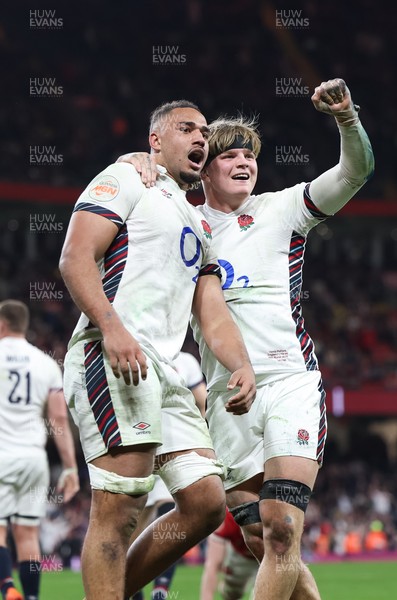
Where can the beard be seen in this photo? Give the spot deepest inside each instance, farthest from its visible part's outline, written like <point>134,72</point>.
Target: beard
<point>190,177</point>
<point>192,180</point>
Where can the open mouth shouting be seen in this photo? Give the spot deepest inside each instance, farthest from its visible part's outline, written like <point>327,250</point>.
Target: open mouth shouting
<point>196,158</point>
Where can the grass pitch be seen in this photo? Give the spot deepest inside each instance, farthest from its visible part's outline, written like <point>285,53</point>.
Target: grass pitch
<point>336,581</point>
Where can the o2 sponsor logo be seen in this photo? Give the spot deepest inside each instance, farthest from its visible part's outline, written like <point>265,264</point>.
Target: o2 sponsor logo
<point>228,269</point>
<point>190,249</point>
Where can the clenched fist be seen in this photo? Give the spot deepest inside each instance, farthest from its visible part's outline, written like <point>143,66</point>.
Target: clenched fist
<point>333,98</point>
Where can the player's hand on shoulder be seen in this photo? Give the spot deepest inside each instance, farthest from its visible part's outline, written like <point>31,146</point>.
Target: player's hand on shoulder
<point>244,378</point>
<point>145,165</point>
<point>125,355</point>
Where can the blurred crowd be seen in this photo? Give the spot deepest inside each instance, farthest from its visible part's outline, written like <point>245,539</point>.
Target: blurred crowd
<point>109,68</point>
<point>349,301</point>
<point>352,511</point>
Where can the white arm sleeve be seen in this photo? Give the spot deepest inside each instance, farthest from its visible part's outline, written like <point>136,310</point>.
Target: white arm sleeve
<point>334,188</point>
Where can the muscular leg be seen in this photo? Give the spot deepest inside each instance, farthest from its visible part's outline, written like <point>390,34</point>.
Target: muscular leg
<point>305,587</point>
<point>249,492</point>
<point>281,567</point>
<point>162,582</point>
<point>199,509</point>
<point>146,517</point>
<point>113,517</point>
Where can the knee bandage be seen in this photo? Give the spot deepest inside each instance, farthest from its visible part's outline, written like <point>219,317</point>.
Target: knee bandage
<point>246,514</point>
<point>286,490</point>
<point>117,484</point>
<point>26,521</point>
<point>185,469</point>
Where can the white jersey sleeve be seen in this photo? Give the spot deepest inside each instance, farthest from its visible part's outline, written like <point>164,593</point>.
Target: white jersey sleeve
<point>334,188</point>
<point>113,193</point>
<point>296,208</point>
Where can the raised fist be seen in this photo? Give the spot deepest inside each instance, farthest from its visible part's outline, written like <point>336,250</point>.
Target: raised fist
<point>333,98</point>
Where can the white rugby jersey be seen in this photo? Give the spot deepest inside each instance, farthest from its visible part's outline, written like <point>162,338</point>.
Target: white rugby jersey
<point>189,369</point>
<point>27,376</point>
<point>150,270</point>
<point>260,250</point>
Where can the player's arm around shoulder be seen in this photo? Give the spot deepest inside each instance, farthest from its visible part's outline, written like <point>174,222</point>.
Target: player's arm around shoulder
<point>224,339</point>
<point>144,163</point>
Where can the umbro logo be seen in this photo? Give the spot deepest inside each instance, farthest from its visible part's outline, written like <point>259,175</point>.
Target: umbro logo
<point>141,425</point>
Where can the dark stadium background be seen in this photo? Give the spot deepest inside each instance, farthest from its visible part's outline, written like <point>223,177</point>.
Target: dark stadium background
<point>104,68</point>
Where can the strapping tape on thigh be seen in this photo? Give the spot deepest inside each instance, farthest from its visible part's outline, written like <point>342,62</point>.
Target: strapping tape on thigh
<point>117,484</point>
<point>185,469</point>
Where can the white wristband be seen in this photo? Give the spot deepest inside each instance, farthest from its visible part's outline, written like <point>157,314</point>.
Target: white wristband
<point>65,473</point>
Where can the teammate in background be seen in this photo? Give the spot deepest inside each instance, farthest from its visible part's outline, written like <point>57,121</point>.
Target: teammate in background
<point>227,554</point>
<point>136,262</point>
<point>159,500</point>
<point>273,453</point>
<point>30,383</point>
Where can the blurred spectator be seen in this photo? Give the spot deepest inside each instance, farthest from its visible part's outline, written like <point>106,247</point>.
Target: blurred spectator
<point>194,50</point>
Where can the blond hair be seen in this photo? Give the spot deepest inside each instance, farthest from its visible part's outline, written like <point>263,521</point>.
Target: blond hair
<point>225,130</point>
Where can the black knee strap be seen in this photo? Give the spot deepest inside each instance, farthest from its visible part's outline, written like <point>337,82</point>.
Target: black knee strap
<point>246,514</point>
<point>286,490</point>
